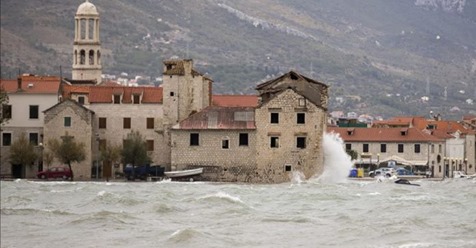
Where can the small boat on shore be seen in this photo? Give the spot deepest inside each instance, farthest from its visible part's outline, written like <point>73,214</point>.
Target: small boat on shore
<point>184,173</point>
<point>406,182</point>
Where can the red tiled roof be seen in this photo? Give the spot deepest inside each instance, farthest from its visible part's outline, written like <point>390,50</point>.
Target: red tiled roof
<point>77,89</point>
<point>382,135</point>
<point>104,94</point>
<point>223,118</point>
<point>33,85</point>
<point>235,100</point>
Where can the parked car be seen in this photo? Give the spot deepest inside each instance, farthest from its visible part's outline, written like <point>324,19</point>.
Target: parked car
<point>386,171</point>
<point>404,172</point>
<point>55,172</point>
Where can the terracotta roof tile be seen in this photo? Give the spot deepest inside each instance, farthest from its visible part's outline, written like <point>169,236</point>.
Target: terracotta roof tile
<point>383,135</point>
<point>104,94</point>
<point>33,85</point>
<point>235,100</point>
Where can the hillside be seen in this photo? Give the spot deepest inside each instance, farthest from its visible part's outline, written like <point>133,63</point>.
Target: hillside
<point>379,57</point>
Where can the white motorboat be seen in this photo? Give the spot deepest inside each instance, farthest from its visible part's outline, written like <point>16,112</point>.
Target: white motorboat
<point>461,174</point>
<point>184,173</point>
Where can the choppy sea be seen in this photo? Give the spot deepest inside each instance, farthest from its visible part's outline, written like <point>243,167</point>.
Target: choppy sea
<point>197,214</point>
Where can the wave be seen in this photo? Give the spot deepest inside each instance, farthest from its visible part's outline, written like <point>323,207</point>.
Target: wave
<point>183,235</point>
<point>33,211</point>
<point>222,196</point>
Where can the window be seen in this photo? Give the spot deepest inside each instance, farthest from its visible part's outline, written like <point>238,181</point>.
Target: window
<point>150,145</point>
<point>301,118</point>
<point>150,123</point>
<point>136,99</point>
<point>225,144</point>
<point>365,147</point>
<point>34,111</point>
<point>383,148</point>
<point>274,118</point>
<point>81,100</point>
<point>274,142</point>
<point>7,111</point>
<point>6,139</point>
<point>301,142</point>
<point>302,102</point>
<point>102,123</point>
<point>417,148</point>
<point>243,139</point>
<point>439,148</point>
<point>127,123</point>
<point>102,144</point>
<point>287,167</point>
<point>172,93</point>
<point>400,148</point>
<point>33,137</point>
<point>67,121</point>
<point>348,147</point>
<point>117,99</point>
<point>432,148</point>
<point>194,139</point>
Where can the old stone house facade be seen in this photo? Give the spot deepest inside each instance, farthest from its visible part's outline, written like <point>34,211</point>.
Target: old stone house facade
<point>69,118</point>
<point>265,143</point>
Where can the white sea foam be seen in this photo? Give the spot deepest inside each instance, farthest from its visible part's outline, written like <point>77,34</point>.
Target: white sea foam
<point>337,163</point>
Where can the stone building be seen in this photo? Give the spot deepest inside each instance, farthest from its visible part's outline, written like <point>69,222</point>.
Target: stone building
<point>87,45</point>
<point>265,143</point>
<point>69,119</point>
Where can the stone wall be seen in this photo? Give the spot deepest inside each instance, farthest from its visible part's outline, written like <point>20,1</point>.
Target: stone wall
<point>236,164</point>
<point>277,164</point>
<point>81,129</point>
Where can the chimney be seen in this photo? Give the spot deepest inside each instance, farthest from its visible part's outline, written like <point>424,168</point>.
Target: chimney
<point>19,83</point>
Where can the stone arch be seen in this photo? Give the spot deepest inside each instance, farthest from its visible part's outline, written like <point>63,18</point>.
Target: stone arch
<point>91,57</point>
<point>82,57</point>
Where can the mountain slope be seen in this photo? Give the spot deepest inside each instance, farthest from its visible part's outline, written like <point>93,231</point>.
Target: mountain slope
<point>388,53</point>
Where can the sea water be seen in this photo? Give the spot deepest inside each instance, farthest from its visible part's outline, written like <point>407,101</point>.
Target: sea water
<point>330,211</point>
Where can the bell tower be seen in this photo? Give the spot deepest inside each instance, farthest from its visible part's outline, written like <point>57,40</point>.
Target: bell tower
<point>87,47</point>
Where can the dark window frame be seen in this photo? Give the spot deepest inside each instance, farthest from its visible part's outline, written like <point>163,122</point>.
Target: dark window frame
<point>150,123</point>
<point>9,139</point>
<point>365,147</point>
<point>301,142</point>
<point>348,146</point>
<point>126,123</point>
<point>102,123</point>
<point>81,100</point>
<point>417,148</point>
<point>67,121</point>
<point>383,148</point>
<point>150,145</point>
<point>274,118</point>
<point>117,99</point>
<point>34,138</point>
<point>301,118</point>
<point>34,112</point>
<point>225,144</point>
<point>274,142</point>
<point>194,139</point>
<point>401,148</point>
<point>7,111</point>
<point>243,139</point>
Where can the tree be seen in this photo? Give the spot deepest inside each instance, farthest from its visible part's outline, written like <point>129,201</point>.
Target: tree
<point>134,151</point>
<point>353,154</point>
<point>48,158</point>
<point>3,101</point>
<point>22,152</point>
<point>68,151</point>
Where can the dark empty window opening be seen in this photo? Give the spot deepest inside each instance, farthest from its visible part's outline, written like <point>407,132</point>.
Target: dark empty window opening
<point>117,99</point>
<point>82,57</point>
<point>301,142</point>
<point>365,148</point>
<point>383,148</point>
<point>99,57</point>
<point>417,148</point>
<point>7,111</point>
<point>225,144</point>
<point>102,122</point>
<point>150,123</point>
<point>400,148</point>
<point>127,123</point>
<point>294,77</point>
<point>301,118</point>
<point>275,118</point>
<point>6,139</point>
<point>81,100</point>
<point>34,138</point>
<point>194,139</point>
<point>34,111</point>
<point>136,99</point>
<point>91,57</point>
<point>172,93</point>
<point>150,145</point>
<point>67,121</point>
<point>243,139</point>
<point>287,167</point>
<point>274,142</point>
<point>348,147</point>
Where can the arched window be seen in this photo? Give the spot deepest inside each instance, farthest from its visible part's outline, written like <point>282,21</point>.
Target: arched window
<point>91,57</point>
<point>82,57</point>
<point>91,29</point>
<point>82,29</point>
<point>99,57</point>
<point>75,57</point>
